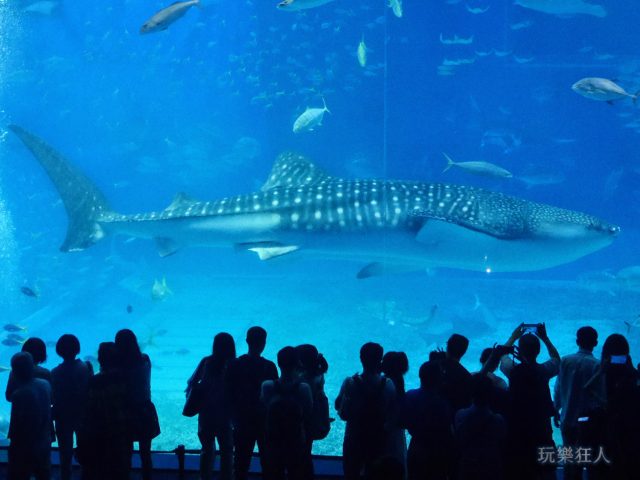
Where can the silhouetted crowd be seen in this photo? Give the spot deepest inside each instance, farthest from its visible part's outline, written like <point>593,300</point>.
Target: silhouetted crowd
<point>461,425</point>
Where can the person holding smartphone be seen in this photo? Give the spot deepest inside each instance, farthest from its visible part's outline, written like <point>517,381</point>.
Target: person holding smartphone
<point>531,406</point>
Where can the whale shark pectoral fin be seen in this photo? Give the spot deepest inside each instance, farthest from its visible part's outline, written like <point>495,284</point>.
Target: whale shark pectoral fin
<point>377,269</point>
<point>273,252</point>
<point>166,246</point>
<point>267,250</point>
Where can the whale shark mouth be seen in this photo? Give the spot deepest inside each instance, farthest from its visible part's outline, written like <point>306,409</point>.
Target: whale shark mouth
<point>389,225</point>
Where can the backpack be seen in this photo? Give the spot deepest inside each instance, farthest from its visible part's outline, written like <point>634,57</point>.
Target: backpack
<point>285,416</point>
<point>366,410</point>
<point>320,423</point>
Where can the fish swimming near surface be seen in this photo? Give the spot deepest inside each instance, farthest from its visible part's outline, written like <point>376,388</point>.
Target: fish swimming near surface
<point>388,225</point>
<point>165,17</point>
<point>602,89</point>
<point>295,5</point>
<point>564,8</point>
<point>478,168</point>
<point>310,118</point>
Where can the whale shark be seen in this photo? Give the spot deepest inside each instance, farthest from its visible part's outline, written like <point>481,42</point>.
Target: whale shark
<point>388,225</point>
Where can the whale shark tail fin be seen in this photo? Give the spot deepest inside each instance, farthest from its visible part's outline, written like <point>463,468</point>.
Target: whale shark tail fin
<point>83,201</point>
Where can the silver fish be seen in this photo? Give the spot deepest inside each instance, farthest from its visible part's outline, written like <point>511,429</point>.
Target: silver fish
<point>478,168</point>
<point>601,89</point>
<point>165,17</point>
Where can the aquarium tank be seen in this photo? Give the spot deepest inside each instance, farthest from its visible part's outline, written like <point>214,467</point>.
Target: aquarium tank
<point>335,171</point>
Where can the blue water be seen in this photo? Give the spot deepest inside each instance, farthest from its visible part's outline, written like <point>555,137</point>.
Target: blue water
<point>206,106</point>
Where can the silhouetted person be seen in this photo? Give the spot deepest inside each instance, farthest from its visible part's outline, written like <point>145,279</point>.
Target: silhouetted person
<point>104,440</point>
<point>366,402</point>
<point>313,366</point>
<point>394,367</point>
<point>480,436</point>
<point>616,384</point>
<point>571,397</point>
<point>136,371</point>
<point>214,418</point>
<point>531,410</point>
<point>456,381</point>
<point>30,424</point>
<point>499,400</point>
<point>245,376</point>
<point>69,383</point>
<point>427,417</point>
<point>496,381</point>
<point>288,404</point>
<point>38,350</point>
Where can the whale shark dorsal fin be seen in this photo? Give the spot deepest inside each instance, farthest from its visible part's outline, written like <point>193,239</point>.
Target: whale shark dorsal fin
<point>180,201</point>
<point>294,170</point>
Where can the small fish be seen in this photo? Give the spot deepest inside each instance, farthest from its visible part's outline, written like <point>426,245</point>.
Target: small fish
<point>165,17</point>
<point>129,309</point>
<point>362,53</point>
<point>477,11</point>
<point>521,25</point>
<point>44,7</point>
<point>564,8</point>
<point>29,292</point>
<point>12,327</point>
<point>9,342</point>
<point>16,336</point>
<point>601,89</point>
<point>456,40</point>
<point>183,351</point>
<point>4,369</point>
<point>295,5</point>
<point>478,168</point>
<point>160,290</point>
<point>396,7</point>
<point>310,119</point>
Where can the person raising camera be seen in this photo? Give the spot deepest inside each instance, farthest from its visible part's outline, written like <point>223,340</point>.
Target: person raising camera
<point>531,407</point>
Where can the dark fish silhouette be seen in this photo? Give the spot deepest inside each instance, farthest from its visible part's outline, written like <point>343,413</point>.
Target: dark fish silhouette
<point>129,309</point>
<point>29,292</point>
<point>12,327</point>
<point>16,336</point>
<point>10,342</point>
